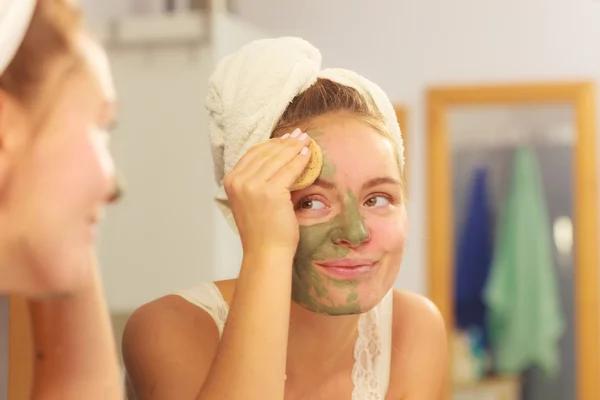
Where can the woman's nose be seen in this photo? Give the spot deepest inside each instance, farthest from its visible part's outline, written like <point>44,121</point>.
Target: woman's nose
<point>117,191</point>
<point>353,232</point>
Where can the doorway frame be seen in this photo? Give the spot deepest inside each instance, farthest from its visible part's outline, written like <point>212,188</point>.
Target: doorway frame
<point>440,253</point>
<point>20,349</point>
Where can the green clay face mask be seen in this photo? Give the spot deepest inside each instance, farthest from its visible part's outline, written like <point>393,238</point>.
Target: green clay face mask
<point>311,288</point>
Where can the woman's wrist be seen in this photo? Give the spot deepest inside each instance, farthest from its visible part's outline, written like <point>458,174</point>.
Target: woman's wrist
<point>266,256</point>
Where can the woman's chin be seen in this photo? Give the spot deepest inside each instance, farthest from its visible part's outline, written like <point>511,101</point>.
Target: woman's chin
<point>337,306</point>
<point>60,275</point>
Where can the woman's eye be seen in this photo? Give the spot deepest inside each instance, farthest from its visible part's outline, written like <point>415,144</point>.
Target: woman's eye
<point>312,205</point>
<point>377,201</point>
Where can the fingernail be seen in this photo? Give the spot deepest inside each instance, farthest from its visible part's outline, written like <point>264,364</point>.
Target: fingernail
<point>287,135</point>
<point>304,151</point>
<point>296,132</point>
<point>303,136</point>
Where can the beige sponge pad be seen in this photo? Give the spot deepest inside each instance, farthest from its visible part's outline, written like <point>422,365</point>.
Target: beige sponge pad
<point>313,168</point>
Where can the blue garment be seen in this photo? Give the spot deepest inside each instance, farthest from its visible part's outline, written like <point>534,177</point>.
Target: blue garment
<point>473,258</point>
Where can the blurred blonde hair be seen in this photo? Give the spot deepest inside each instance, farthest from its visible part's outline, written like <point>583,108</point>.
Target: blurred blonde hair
<point>50,41</point>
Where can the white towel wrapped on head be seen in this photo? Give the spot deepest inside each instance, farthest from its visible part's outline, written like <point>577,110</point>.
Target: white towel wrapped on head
<point>251,88</point>
<point>15,16</point>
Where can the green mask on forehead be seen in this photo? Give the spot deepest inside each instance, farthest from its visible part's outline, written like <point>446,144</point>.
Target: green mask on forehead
<point>311,289</point>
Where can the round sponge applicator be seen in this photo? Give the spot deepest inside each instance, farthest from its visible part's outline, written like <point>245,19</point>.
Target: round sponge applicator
<point>313,168</point>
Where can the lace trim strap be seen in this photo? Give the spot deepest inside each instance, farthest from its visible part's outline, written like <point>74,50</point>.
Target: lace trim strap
<point>208,297</point>
<point>372,352</point>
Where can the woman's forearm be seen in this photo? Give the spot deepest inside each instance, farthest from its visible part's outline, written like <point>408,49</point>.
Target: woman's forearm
<point>75,350</point>
<point>251,359</point>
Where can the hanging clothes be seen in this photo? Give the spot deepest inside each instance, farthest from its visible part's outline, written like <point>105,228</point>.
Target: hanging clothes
<point>525,320</point>
<point>473,258</point>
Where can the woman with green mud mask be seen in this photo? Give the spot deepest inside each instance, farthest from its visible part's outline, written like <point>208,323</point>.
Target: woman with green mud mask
<point>325,278</point>
<point>313,314</point>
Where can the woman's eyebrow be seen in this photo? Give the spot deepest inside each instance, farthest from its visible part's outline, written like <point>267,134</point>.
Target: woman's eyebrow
<point>380,181</point>
<point>325,184</point>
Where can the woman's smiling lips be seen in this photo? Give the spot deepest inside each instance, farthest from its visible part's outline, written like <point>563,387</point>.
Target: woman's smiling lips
<point>347,268</point>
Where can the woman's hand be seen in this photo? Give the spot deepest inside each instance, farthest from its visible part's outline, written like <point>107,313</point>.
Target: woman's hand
<point>258,191</point>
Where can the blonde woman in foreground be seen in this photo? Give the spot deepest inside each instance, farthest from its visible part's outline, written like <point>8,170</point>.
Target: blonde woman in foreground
<point>56,175</point>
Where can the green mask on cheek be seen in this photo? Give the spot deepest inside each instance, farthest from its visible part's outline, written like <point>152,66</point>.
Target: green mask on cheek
<point>313,290</point>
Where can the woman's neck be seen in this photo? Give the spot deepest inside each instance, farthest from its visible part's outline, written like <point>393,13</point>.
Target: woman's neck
<point>15,277</point>
<point>320,342</point>
<point>72,337</point>
<point>74,344</point>
<point>11,278</point>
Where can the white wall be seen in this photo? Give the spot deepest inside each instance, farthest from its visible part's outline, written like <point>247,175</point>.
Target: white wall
<point>105,9</point>
<point>167,233</point>
<point>228,34</point>
<point>160,237</point>
<point>405,46</point>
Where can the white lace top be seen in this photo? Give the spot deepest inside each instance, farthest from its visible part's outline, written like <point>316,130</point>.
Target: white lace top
<point>372,351</point>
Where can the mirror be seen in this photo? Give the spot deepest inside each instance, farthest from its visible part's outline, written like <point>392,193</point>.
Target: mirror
<point>512,257</point>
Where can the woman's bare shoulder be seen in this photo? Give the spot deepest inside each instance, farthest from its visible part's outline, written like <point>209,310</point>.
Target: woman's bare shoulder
<point>414,308</point>
<point>416,320</point>
<point>169,341</point>
<point>419,347</point>
<point>175,314</point>
<point>175,307</point>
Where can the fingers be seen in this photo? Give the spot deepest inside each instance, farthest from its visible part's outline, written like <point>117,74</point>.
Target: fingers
<point>281,157</point>
<point>256,152</point>
<point>287,175</point>
<point>254,157</point>
<point>272,155</point>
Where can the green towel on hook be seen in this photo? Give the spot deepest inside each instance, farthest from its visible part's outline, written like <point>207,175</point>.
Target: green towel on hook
<point>525,318</point>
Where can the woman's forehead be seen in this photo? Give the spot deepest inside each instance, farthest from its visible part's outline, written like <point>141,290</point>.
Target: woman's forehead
<point>355,152</point>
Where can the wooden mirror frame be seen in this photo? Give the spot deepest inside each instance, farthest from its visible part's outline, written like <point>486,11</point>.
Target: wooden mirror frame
<point>440,251</point>
<point>20,349</point>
